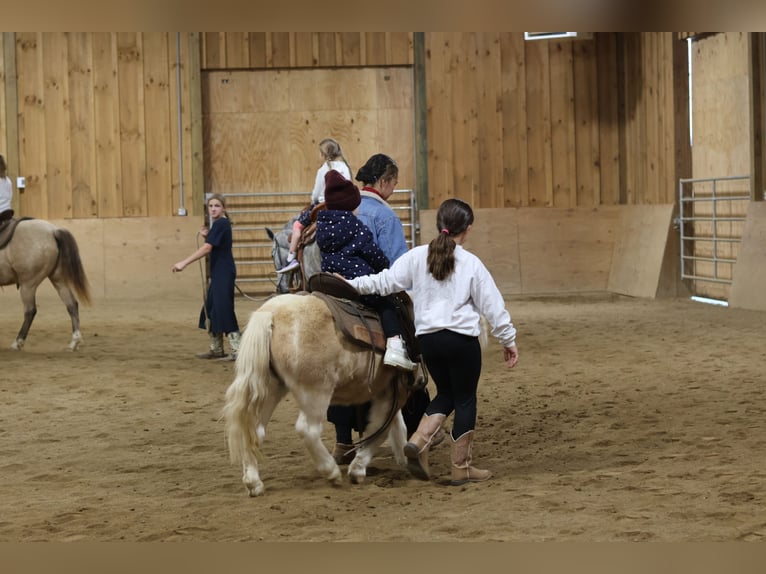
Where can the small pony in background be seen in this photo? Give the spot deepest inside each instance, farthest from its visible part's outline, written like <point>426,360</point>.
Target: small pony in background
<point>308,256</point>
<point>32,250</point>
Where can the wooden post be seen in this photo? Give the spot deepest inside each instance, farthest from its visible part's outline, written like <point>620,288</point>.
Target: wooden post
<point>11,113</point>
<point>757,60</point>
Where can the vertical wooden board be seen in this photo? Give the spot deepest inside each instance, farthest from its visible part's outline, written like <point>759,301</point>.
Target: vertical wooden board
<point>32,147</point>
<point>664,99</point>
<point>326,44</point>
<point>157,123</point>
<point>256,46</point>
<point>439,121</point>
<point>652,148</point>
<point>237,50</point>
<point>215,57</point>
<point>181,165</point>
<point>587,149</point>
<point>538,124</point>
<point>490,120</point>
<point>81,120</point>
<point>279,56</point>
<point>350,49</point>
<point>107,125</point>
<point>562,146</point>
<point>464,113</point>
<point>608,118</point>
<point>304,50</point>
<point>3,115</point>
<point>375,43</point>
<point>400,50</point>
<point>514,112</point>
<point>632,133</point>
<point>193,119</point>
<point>132,123</point>
<point>57,128</point>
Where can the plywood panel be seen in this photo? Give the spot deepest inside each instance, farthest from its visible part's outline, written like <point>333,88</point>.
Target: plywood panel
<point>639,249</point>
<point>492,227</point>
<point>566,250</point>
<point>543,250</point>
<point>747,290</point>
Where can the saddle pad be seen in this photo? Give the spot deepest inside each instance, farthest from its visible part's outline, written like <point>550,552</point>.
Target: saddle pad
<point>7,228</point>
<point>358,323</point>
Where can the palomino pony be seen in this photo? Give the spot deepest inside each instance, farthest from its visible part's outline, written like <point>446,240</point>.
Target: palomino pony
<point>291,345</point>
<point>37,250</point>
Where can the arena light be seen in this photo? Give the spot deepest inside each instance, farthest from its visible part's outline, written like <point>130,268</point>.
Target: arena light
<point>557,35</point>
<point>710,301</point>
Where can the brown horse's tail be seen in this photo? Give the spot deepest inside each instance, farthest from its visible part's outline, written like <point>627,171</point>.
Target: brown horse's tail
<point>70,264</point>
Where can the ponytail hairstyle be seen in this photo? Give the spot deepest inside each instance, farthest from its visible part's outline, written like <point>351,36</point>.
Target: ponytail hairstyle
<point>378,167</point>
<point>452,219</point>
<point>222,199</point>
<point>3,166</point>
<point>330,150</point>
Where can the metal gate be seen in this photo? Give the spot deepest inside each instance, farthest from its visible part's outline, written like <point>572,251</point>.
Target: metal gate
<point>252,213</point>
<point>711,220</point>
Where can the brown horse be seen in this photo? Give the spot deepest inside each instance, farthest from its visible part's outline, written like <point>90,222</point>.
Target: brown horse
<point>37,250</point>
<point>291,345</point>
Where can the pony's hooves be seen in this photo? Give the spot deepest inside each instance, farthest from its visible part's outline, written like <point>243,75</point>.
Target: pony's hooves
<point>357,478</point>
<point>255,489</point>
<point>16,346</point>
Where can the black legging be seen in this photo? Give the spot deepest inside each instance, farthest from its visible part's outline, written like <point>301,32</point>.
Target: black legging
<point>454,361</point>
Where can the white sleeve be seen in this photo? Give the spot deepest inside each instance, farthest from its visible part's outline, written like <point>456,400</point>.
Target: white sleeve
<point>491,304</point>
<point>317,194</point>
<point>392,280</point>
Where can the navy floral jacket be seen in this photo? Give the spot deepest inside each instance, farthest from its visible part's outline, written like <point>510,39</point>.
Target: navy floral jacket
<point>347,246</point>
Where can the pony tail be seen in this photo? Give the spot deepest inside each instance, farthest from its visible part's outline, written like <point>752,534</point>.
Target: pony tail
<point>441,256</point>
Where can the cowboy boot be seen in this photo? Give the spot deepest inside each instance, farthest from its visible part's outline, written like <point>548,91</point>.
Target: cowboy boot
<point>234,339</point>
<point>416,450</point>
<point>462,471</point>
<point>216,347</point>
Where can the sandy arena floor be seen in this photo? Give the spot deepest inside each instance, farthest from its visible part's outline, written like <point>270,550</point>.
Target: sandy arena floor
<point>625,420</point>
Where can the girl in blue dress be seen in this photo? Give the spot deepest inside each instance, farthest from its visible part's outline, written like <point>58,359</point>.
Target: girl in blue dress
<point>217,315</point>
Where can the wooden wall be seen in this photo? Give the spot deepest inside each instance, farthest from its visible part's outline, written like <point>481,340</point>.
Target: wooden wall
<point>97,122</point>
<point>257,50</point>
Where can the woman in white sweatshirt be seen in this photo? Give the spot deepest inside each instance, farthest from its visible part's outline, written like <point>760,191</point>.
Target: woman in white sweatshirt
<point>451,289</point>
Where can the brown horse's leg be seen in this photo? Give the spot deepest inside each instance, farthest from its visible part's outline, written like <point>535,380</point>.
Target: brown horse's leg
<point>73,308</point>
<point>30,310</point>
